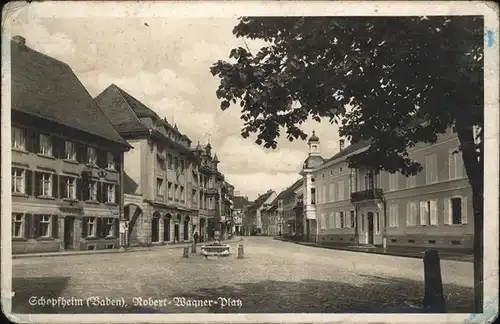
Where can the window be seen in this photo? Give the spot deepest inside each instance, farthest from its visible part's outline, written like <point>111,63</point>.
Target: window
<point>411,214</point>
<point>159,186</point>
<point>342,220</point>
<point>362,222</point>
<point>313,196</point>
<point>91,226</point>
<point>92,155</point>
<point>176,192</point>
<point>169,161</point>
<point>353,180</point>
<point>455,164</point>
<point>324,199</point>
<point>457,211</point>
<point>431,168</point>
<point>194,196</point>
<point>331,220</point>
<point>176,163</point>
<point>210,203</point>
<point>111,188</point>
<point>353,219</point>
<point>393,181</point>
<point>170,194</point>
<point>378,222</point>
<point>44,226</point>
<point>18,180</point>
<point>69,150</point>
<point>93,190</point>
<point>70,184</point>
<point>411,181</point>
<point>45,145</point>
<point>18,138</point>
<point>111,160</point>
<point>341,190</point>
<point>393,216</point>
<point>46,184</point>
<point>17,225</point>
<point>182,166</point>
<point>182,194</point>
<point>110,228</point>
<point>323,221</point>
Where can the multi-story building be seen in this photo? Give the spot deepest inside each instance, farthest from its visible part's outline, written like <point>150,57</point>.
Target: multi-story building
<point>161,188</point>
<point>239,209</point>
<point>66,159</point>
<point>432,208</point>
<point>227,203</point>
<point>211,183</point>
<point>291,209</point>
<point>254,212</point>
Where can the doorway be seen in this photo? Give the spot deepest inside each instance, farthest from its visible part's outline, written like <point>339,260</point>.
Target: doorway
<point>155,229</point>
<point>69,230</point>
<point>370,228</point>
<point>176,232</point>
<point>166,229</point>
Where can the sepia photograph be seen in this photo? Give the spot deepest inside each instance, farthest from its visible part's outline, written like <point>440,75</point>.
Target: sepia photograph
<point>253,162</point>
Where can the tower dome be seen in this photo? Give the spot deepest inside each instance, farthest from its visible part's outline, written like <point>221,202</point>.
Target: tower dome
<point>313,138</point>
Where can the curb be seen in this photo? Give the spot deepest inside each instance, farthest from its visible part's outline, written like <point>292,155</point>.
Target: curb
<point>372,252</point>
<point>110,251</point>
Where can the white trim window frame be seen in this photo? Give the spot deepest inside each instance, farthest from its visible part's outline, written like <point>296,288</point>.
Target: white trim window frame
<point>18,180</point>
<point>93,190</point>
<point>91,226</point>
<point>91,156</point>
<point>159,187</point>
<point>45,225</point>
<point>455,164</point>
<point>70,184</point>
<point>111,193</point>
<point>18,138</point>
<point>45,144</point>
<point>110,227</point>
<point>110,158</point>
<point>46,184</point>
<point>17,225</point>
<point>70,150</point>
<point>431,175</point>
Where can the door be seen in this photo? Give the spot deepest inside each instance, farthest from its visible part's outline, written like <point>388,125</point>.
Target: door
<point>154,229</point>
<point>370,228</point>
<point>166,230</point>
<point>176,232</point>
<point>69,231</point>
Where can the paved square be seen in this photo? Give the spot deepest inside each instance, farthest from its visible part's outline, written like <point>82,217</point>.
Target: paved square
<point>274,276</point>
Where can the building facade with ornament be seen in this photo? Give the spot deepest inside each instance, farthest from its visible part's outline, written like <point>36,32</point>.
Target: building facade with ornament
<point>67,160</point>
<point>161,184</point>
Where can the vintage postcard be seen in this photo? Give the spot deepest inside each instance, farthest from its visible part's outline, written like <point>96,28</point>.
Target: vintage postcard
<point>250,162</point>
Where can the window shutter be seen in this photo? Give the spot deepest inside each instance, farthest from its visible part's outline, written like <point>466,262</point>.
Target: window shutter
<point>464,210</point>
<point>446,211</point>
<point>62,186</point>
<point>433,212</point>
<point>414,213</point>
<point>55,187</point>
<point>423,213</point>
<point>36,226</point>
<point>452,165</point>
<point>38,183</point>
<point>28,178</point>
<point>396,215</point>
<point>85,192</point>
<point>117,194</point>
<point>55,226</point>
<point>347,220</point>
<point>99,191</point>
<point>79,189</point>
<point>408,214</point>
<point>105,192</point>
<point>117,228</point>
<point>35,141</point>
<point>337,219</point>
<point>28,226</point>
<point>85,221</point>
<point>101,158</point>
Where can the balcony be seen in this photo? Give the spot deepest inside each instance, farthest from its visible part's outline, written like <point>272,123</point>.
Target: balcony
<point>370,194</point>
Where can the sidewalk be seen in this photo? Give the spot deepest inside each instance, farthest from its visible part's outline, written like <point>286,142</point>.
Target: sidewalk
<point>108,251</point>
<point>409,252</point>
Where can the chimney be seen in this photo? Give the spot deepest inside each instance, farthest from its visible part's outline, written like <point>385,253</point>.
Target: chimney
<point>341,144</point>
<point>19,40</point>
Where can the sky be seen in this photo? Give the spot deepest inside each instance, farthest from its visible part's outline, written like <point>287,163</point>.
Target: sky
<point>164,62</point>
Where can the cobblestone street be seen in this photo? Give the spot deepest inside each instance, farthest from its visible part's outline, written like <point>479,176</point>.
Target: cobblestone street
<point>274,276</point>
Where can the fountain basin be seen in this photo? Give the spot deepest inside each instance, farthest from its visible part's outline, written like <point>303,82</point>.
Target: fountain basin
<point>215,250</point>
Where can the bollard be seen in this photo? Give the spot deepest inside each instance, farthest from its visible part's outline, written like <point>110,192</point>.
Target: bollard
<point>193,248</point>
<point>240,251</point>
<point>433,297</point>
<point>186,252</point>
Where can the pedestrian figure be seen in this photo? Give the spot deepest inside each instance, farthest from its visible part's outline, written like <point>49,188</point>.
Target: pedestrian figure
<point>195,237</point>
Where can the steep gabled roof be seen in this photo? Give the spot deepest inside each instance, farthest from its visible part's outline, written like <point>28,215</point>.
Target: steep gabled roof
<point>240,202</point>
<point>261,199</point>
<point>48,88</point>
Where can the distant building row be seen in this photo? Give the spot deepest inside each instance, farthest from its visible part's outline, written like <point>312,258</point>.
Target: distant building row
<point>85,170</point>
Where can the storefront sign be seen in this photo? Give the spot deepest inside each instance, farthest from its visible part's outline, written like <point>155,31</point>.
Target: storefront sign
<point>71,210</point>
